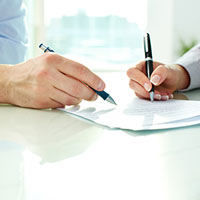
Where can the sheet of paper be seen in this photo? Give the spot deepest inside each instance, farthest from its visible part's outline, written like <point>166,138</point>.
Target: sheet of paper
<point>139,114</point>
<point>175,124</point>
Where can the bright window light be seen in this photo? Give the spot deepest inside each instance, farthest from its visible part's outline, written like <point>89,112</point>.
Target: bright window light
<point>104,35</point>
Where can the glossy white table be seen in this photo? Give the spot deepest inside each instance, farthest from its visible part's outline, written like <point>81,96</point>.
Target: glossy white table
<point>50,155</point>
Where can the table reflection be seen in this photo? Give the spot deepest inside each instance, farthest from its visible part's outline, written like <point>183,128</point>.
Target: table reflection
<point>51,134</point>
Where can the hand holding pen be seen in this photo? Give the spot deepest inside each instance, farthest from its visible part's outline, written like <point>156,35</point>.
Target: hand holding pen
<point>104,95</point>
<point>51,81</point>
<point>159,82</point>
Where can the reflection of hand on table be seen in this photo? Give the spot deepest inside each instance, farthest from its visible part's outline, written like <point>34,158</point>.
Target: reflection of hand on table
<point>51,134</point>
<point>193,95</point>
<point>180,96</point>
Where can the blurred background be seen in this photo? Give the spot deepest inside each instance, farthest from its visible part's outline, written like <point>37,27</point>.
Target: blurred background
<point>108,35</point>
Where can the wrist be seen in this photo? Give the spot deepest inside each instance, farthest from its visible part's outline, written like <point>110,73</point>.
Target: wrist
<point>5,77</point>
<point>183,77</point>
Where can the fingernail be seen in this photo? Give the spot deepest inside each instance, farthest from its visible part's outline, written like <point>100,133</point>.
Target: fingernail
<point>101,85</point>
<point>157,96</point>
<point>165,97</point>
<point>171,96</point>
<point>147,87</point>
<point>155,79</point>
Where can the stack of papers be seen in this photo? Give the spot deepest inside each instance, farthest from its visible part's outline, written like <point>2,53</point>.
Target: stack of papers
<point>139,114</point>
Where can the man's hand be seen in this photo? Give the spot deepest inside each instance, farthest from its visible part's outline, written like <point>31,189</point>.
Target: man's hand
<point>48,81</point>
<point>165,78</point>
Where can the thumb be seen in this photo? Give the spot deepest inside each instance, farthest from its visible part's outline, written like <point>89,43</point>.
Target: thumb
<point>160,74</point>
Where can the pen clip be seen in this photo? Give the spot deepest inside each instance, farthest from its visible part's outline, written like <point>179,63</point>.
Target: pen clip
<point>147,46</point>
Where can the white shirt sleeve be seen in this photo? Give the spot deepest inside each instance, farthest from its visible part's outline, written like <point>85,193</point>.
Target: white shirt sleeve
<point>191,62</point>
<point>13,35</point>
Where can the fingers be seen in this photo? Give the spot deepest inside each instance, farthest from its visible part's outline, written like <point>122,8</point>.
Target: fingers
<point>139,77</point>
<point>159,93</point>
<point>166,77</point>
<point>163,78</point>
<point>141,92</point>
<point>43,104</point>
<point>63,98</point>
<point>80,72</point>
<point>71,77</point>
<point>159,75</point>
<point>73,87</point>
<point>54,104</point>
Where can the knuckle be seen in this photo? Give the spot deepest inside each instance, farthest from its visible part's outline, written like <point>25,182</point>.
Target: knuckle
<point>130,72</point>
<point>82,71</point>
<point>50,57</point>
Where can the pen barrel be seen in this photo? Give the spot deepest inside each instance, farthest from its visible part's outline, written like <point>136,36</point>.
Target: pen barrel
<point>104,95</point>
<point>149,68</point>
<point>149,71</point>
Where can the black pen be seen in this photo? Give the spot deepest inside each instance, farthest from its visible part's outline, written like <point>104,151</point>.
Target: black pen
<point>149,61</point>
<point>104,95</point>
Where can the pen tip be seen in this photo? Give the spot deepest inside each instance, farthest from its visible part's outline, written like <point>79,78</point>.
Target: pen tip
<point>114,103</point>
<point>111,100</point>
<point>152,96</point>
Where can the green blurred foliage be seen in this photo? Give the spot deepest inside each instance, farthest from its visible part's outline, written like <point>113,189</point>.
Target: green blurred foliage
<point>186,46</point>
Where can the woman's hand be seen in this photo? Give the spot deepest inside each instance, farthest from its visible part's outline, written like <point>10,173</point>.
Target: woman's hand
<point>165,78</point>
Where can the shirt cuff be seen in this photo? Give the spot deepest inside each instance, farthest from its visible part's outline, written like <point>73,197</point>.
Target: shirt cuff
<point>191,62</point>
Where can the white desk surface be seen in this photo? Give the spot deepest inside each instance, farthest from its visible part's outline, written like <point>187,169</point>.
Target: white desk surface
<point>50,155</point>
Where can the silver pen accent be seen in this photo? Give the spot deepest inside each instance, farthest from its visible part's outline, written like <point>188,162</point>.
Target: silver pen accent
<point>110,100</point>
<point>152,96</point>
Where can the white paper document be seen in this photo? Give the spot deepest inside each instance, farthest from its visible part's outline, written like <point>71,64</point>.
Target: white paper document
<point>139,114</point>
